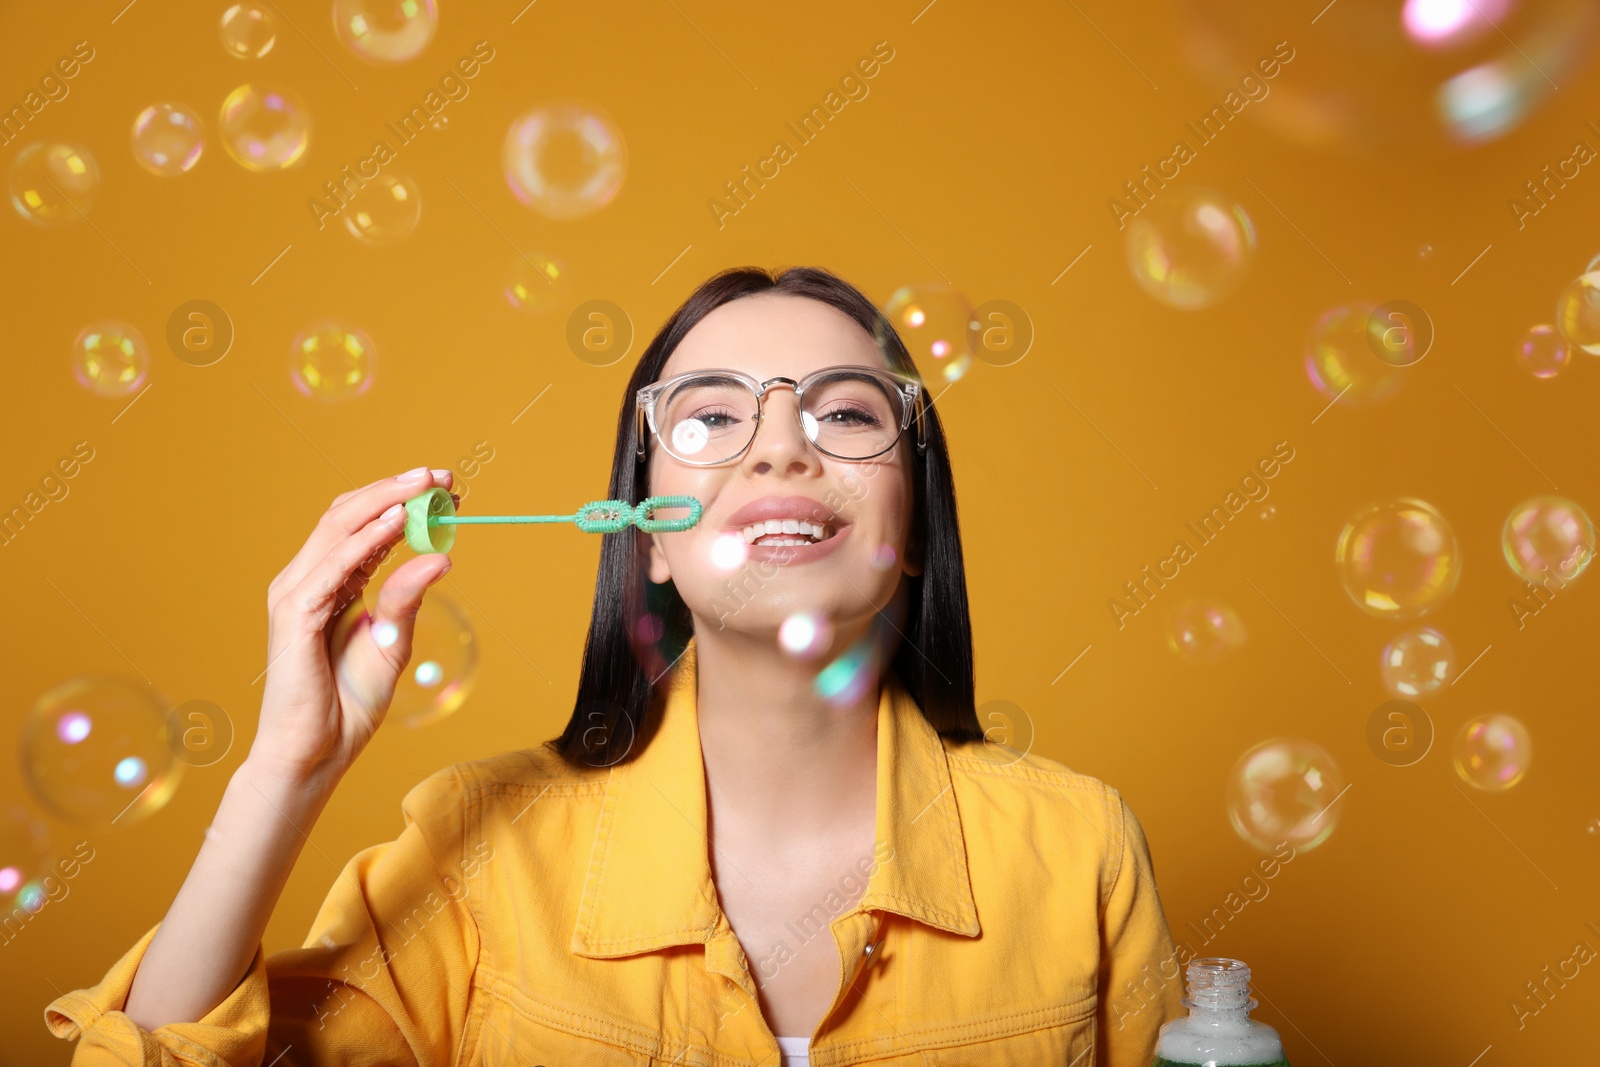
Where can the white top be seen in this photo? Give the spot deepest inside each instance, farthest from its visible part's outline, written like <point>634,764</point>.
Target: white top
<point>796,1051</point>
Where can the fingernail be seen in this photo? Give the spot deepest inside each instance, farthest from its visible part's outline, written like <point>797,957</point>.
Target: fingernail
<point>415,476</point>
<point>441,474</point>
<point>394,512</point>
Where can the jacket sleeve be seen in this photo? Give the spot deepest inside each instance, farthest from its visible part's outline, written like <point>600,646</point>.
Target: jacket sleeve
<point>1141,973</point>
<point>382,978</point>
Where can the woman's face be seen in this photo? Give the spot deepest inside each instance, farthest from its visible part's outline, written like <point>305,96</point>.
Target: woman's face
<point>866,504</point>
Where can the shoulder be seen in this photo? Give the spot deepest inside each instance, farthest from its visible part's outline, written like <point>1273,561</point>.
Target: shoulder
<point>458,798</point>
<point>1028,795</point>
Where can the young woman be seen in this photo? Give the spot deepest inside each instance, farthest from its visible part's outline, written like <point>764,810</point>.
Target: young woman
<point>773,827</point>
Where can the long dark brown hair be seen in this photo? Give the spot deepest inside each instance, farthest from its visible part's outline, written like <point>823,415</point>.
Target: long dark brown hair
<point>637,629</point>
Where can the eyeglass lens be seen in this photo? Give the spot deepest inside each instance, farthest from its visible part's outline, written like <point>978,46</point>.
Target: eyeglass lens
<point>712,418</point>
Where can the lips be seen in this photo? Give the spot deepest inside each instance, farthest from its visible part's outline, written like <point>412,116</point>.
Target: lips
<point>791,554</point>
<point>779,508</point>
<point>784,507</point>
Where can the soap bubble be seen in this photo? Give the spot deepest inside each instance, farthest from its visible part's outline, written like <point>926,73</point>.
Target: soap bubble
<point>329,361</point>
<point>1339,356</point>
<point>1203,632</point>
<point>1578,312</point>
<point>1398,559</point>
<point>52,183</point>
<point>1492,752</point>
<point>443,664</point>
<point>248,31</point>
<point>536,284</point>
<point>385,31</point>
<point>805,635</point>
<point>932,319</point>
<point>1543,352</point>
<point>24,850</point>
<point>386,210</point>
<point>110,358</point>
<point>94,751</point>
<point>1393,82</point>
<point>167,139</point>
<point>1548,535</point>
<point>1417,662</point>
<point>1190,248</point>
<point>265,128</point>
<point>565,159</point>
<point>1284,791</point>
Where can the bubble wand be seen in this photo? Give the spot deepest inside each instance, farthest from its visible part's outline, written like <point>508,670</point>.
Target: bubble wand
<point>431,518</point>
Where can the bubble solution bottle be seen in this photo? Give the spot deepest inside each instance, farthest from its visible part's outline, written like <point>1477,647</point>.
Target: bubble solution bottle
<point>1218,1031</point>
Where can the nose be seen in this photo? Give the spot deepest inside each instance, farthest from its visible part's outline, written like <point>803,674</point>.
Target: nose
<point>780,443</point>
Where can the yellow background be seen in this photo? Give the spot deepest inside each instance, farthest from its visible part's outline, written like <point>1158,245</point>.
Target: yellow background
<point>985,152</point>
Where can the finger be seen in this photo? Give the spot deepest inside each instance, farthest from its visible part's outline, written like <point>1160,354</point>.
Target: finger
<point>348,513</point>
<point>338,577</point>
<point>380,644</point>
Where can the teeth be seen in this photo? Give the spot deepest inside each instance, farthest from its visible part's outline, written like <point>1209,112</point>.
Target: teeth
<point>810,532</point>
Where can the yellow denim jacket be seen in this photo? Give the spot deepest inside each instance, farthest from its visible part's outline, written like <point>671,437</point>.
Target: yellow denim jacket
<point>534,914</point>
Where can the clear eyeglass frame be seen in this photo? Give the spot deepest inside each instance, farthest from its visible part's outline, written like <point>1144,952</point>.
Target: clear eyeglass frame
<point>908,387</point>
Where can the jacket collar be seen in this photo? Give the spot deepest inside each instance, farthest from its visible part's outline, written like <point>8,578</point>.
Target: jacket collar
<point>649,881</point>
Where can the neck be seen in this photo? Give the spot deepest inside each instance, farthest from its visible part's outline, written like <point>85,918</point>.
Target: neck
<point>782,761</point>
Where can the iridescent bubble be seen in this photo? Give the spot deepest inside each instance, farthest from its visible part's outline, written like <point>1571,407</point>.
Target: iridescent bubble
<point>650,628</point>
<point>1283,791</point>
<point>1398,559</point>
<point>385,210</point>
<point>1548,536</point>
<point>24,849</point>
<point>265,127</point>
<point>1395,81</point>
<point>330,361</point>
<point>167,139</point>
<point>729,550</point>
<point>1451,23</point>
<point>805,635</point>
<point>385,31</point>
<point>1543,352</point>
<point>536,284</point>
<point>1190,247</point>
<point>110,358</point>
<point>248,31</point>
<point>883,557</point>
<point>1492,752</point>
<point>932,319</point>
<point>440,122</point>
<point>1339,356</point>
<point>565,159</point>
<point>1578,312</point>
<point>1417,662</point>
<point>118,770</point>
<point>1203,632</point>
<point>1267,512</point>
<point>52,184</point>
<point>443,665</point>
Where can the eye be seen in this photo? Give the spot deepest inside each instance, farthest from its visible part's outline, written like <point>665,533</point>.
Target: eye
<point>846,416</point>
<point>709,416</point>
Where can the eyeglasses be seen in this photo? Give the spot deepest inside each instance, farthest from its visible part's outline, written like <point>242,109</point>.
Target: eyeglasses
<point>707,417</point>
